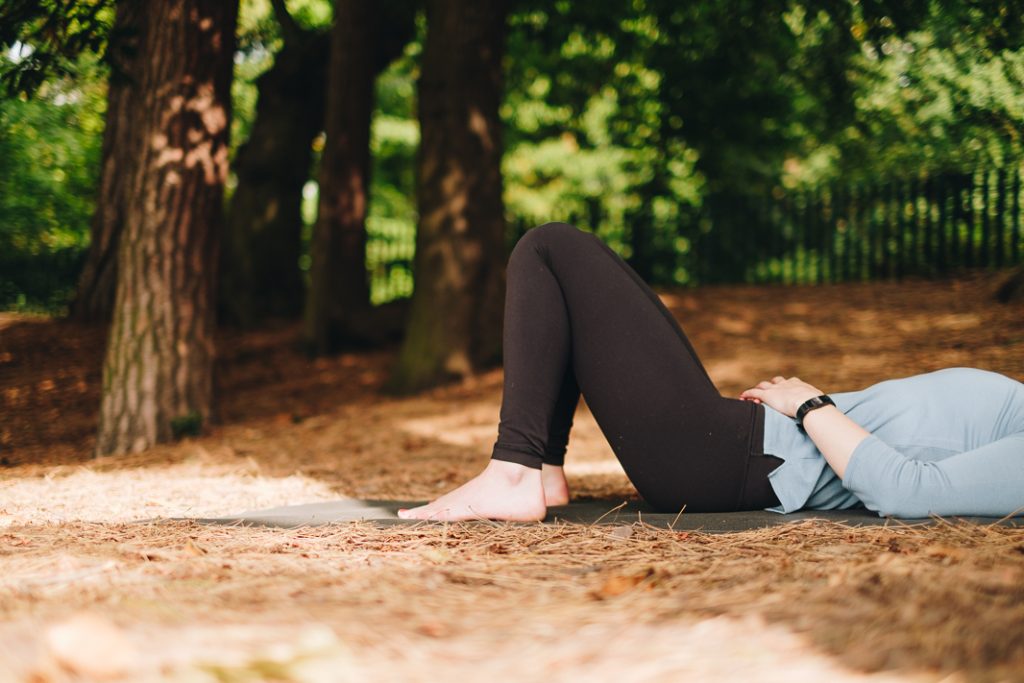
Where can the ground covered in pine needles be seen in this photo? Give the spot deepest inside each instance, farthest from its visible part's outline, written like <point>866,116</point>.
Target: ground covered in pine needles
<point>96,582</point>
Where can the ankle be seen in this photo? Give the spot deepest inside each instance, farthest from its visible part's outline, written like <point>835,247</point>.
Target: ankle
<point>513,473</point>
<point>556,488</point>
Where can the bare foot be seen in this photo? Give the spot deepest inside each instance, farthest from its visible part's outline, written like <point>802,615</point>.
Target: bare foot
<point>504,490</point>
<point>556,488</point>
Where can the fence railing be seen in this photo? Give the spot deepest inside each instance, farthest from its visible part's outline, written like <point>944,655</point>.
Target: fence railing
<point>890,229</point>
<point>926,226</point>
<point>390,246</point>
<point>42,282</point>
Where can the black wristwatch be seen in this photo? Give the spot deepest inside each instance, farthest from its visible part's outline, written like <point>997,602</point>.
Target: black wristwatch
<point>812,404</point>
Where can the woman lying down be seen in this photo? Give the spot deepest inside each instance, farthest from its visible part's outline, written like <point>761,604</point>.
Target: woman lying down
<point>578,320</point>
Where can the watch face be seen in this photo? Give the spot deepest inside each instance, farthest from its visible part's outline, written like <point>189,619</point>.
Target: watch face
<point>812,404</point>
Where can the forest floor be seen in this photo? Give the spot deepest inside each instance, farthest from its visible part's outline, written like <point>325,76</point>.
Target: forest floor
<point>97,582</point>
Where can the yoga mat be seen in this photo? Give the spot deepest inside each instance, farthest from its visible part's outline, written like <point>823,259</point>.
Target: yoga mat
<point>383,512</point>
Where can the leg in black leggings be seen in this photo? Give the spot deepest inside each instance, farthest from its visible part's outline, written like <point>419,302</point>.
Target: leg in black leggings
<point>578,318</point>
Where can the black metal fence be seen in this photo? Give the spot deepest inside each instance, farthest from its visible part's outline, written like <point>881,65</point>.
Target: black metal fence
<point>390,246</point>
<point>927,226</point>
<point>42,282</point>
<point>923,226</point>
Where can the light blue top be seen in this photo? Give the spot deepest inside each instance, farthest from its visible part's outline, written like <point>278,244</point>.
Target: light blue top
<point>949,442</point>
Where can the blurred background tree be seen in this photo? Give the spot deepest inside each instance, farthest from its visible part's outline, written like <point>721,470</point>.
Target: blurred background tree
<point>364,41</point>
<point>455,315</point>
<point>50,146</point>
<point>263,238</point>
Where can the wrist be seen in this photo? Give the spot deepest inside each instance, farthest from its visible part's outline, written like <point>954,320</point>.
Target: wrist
<point>800,400</point>
<point>814,404</point>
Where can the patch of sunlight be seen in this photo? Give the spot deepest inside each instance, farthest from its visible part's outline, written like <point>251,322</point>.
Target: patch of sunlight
<point>735,326</point>
<point>715,649</point>
<point>185,490</point>
<point>8,319</point>
<point>926,322</point>
<point>712,649</point>
<point>733,371</point>
<point>95,647</point>
<point>473,427</point>
<point>593,467</point>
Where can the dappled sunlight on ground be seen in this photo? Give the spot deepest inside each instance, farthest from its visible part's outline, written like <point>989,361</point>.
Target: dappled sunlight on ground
<point>811,601</point>
<point>195,488</point>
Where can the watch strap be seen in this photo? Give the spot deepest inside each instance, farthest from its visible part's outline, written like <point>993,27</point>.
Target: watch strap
<point>812,404</point>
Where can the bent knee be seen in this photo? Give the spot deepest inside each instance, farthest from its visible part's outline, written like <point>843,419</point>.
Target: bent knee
<point>549,235</point>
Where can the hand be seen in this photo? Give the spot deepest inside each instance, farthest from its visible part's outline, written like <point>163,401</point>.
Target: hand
<point>784,395</point>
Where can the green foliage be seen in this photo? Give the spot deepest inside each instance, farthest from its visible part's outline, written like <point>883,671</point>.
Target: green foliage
<point>259,37</point>
<point>928,106</point>
<point>395,135</point>
<point>394,138</point>
<point>50,147</point>
<point>50,50</point>
<point>657,124</point>
<point>190,424</point>
<point>585,129</point>
<point>942,93</point>
<point>47,37</point>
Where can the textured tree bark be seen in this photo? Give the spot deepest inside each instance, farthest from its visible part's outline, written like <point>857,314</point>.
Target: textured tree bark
<point>159,359</point>
<point>260,274</point>
<point>1011,289</point>
<point>365,38</point>
<point>455,319</point>
<point>94,296</point>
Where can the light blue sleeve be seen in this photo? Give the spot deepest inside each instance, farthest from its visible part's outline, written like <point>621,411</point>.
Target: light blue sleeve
<point>987,481</point>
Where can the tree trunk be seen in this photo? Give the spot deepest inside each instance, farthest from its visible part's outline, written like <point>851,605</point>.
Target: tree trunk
<point>159,360</point>
<point>94,296</point>
<point>366,37</point>
<point>455,318</point>
<point>260,274</point>
<point>1011,289</point>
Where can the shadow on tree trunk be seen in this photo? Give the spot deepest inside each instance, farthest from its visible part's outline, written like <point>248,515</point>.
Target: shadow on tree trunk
<point>260,270</point>
<point>455,317</point>
<point>366,37</point>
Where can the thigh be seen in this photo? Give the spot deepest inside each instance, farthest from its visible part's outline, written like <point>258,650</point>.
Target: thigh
<point>679,441</point>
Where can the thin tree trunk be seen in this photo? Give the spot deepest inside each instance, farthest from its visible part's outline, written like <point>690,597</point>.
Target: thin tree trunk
<point>260,274</point>
<point>1012,287</point>
<point>159,359</point>
<point>454,326</point>
<point>94,296</point>
<point>366,37</point>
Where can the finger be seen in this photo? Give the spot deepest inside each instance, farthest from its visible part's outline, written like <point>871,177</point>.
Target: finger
<point>753,393</point>
<point>777,379</point>
<point>765,385</point>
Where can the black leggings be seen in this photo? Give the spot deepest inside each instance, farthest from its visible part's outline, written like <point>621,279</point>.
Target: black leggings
<point>577,317</point>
